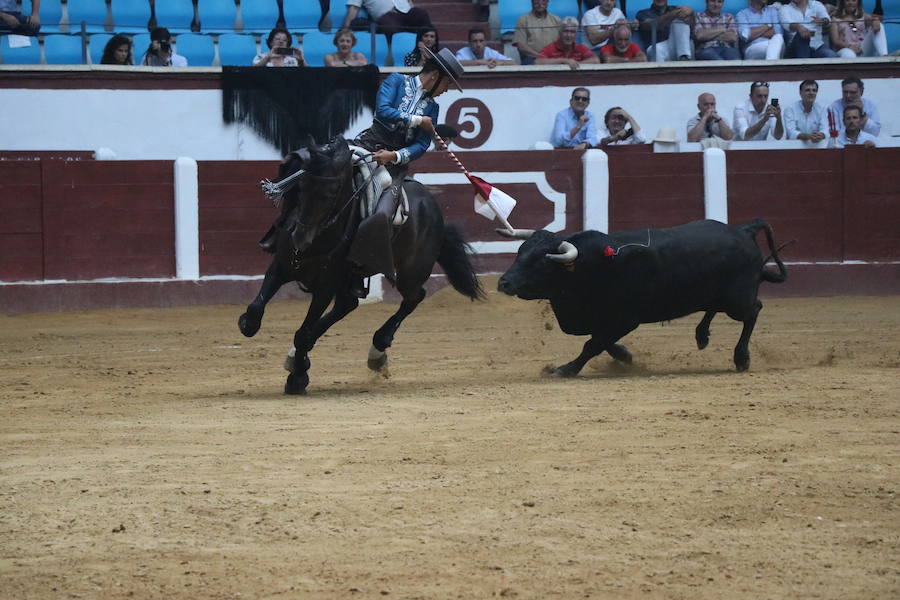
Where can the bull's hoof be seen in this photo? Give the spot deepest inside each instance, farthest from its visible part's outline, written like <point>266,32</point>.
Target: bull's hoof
<point>620,353</point>
<point>741,362</point>
<point>377,359</point>
<point>248,325</point>
<point>296,384</point>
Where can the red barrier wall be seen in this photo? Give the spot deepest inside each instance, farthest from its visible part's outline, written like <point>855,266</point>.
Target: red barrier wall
<point>87,220</point>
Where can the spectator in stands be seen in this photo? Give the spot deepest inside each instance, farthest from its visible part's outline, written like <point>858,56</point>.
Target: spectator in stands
<point>534,31</point>
<point>280,53</point>
<point>851,95</point>
<point>755,118</point>
<point>852,133</point>
<point>616,133</point>
<point>575,127</point>
<point>855,33</point>
<point>391,16</point>
<point>426,38</point>
<point>479,53</point>
<point>344,40</point>
<point>802,22</point>
<point>759,26</point>
<point>118,51</point>
<point>564,51</point>
<point>598,23</point>
<point>707,123</point>
<point>673,30</point>
<point>806,119</point>
<point>160,53</point>
<point>716,33</point>
<point>622,49</point>
<point>13,21</point>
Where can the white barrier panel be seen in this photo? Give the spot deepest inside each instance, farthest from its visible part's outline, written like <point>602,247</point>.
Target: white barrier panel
<point>715,185</point>
<point>595,190</point>
<point>187,220</point>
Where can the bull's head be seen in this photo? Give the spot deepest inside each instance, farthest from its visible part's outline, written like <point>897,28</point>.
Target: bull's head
<point>539,266</point>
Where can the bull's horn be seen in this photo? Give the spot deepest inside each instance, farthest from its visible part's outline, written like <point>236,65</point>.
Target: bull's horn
<point>519,234</point>
<point>567,253</point>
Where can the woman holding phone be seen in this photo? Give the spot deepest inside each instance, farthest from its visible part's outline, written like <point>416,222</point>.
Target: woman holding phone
<point>280,53</point>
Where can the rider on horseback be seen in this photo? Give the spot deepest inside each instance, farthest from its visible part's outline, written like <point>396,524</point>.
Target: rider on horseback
<point>400,133</point>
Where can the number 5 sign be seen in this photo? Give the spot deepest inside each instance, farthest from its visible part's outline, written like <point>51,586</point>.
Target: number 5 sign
<point>472,118</point>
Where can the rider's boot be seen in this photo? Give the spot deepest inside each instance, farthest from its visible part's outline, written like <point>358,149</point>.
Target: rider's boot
<point>371,247</point>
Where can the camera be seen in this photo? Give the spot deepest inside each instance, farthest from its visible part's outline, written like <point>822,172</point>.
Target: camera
<point>284,51</point>
<point>774,101</point>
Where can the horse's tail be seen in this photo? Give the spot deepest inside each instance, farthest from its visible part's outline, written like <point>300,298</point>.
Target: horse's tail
<point>454,259</point>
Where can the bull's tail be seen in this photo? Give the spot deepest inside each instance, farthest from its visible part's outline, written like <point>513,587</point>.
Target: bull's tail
<point>767,275</point>
<point>454,259</point>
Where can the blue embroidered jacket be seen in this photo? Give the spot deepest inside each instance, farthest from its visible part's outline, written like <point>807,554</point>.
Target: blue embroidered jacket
<point>393,109</point>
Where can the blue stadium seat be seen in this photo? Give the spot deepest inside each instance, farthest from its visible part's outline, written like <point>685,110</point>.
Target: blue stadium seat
<point>91,12</point>
<point>316,45</point>
<point>560,8</point>
<point>63,49</point>
<point>28,55</point>
<point>892,33</point>
<point>139,45</point>
<point>337,10</point>
<point>364,45</point>
<point>217,16</point>
<point>199,50</point>
<point>96,44</point>
<point>51,15</point>
<point>402,44</point>
<point>175,15</point>
<point>509,12</point>
<point>259,16</point>
<point>131,16</point>
<point>302,16</point>
<point>237,49</point>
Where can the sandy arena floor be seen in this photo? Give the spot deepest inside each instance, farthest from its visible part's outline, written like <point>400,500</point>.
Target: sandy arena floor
<point>151,454</point>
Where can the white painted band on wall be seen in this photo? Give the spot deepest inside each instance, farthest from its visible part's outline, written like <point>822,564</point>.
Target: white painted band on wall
<point>187,220</point>
<point>715,185</point>
<point>595,190</point>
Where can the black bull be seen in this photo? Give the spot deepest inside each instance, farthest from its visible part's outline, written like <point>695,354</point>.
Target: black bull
<point>606,285</point>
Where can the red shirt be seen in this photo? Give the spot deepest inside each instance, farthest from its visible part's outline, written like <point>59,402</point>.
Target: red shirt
<point>630,52</point>
<point>555,50</point>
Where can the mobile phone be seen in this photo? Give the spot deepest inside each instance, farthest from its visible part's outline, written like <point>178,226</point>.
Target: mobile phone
<point>774,101</point>
<point>284,51</point>
<point>628,133</point>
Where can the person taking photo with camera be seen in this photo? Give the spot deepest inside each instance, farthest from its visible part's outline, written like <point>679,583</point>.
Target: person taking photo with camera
<point>160,52</point>
<point>281,53</point>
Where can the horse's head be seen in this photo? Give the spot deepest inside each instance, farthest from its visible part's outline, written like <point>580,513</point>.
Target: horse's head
<point>323,190</point>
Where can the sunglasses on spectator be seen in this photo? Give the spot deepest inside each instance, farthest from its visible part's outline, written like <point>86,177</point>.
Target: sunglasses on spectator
<point>581,99</point>
<point>760,84</point>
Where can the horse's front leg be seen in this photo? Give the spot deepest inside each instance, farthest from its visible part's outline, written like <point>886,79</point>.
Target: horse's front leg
<point>304,340</point>
<point>250,321</point>
<point>384,337</point>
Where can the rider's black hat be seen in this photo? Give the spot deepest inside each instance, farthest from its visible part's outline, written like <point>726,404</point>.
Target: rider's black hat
<point>448,64</point>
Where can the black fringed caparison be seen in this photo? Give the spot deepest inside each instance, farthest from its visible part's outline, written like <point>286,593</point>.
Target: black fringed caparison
<point>286,105</point>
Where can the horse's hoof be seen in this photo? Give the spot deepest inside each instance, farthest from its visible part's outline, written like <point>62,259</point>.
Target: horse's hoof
<point>248,326</point>
<point>377,359</point>
<point>742,363</point>
<point>702,342</point>
<point>296,384</point>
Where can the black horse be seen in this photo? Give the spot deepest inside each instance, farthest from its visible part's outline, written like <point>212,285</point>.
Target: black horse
<point>323,215</point>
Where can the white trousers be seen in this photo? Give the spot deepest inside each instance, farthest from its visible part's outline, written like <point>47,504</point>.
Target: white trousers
<point>770,49</point>
<point>678,44</point>
<point>875,44</point>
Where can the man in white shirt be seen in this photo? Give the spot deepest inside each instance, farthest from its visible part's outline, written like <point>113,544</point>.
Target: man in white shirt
<point>806,119</point>
<point>707,123</point>
<point>598,23</point>
<point>852,95</point>
<point>755,119</point>
<point>390,15</point>
<point>802,22</point>
<point>760,29</point>
<point>479,53</point>
<point>853,134</point>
